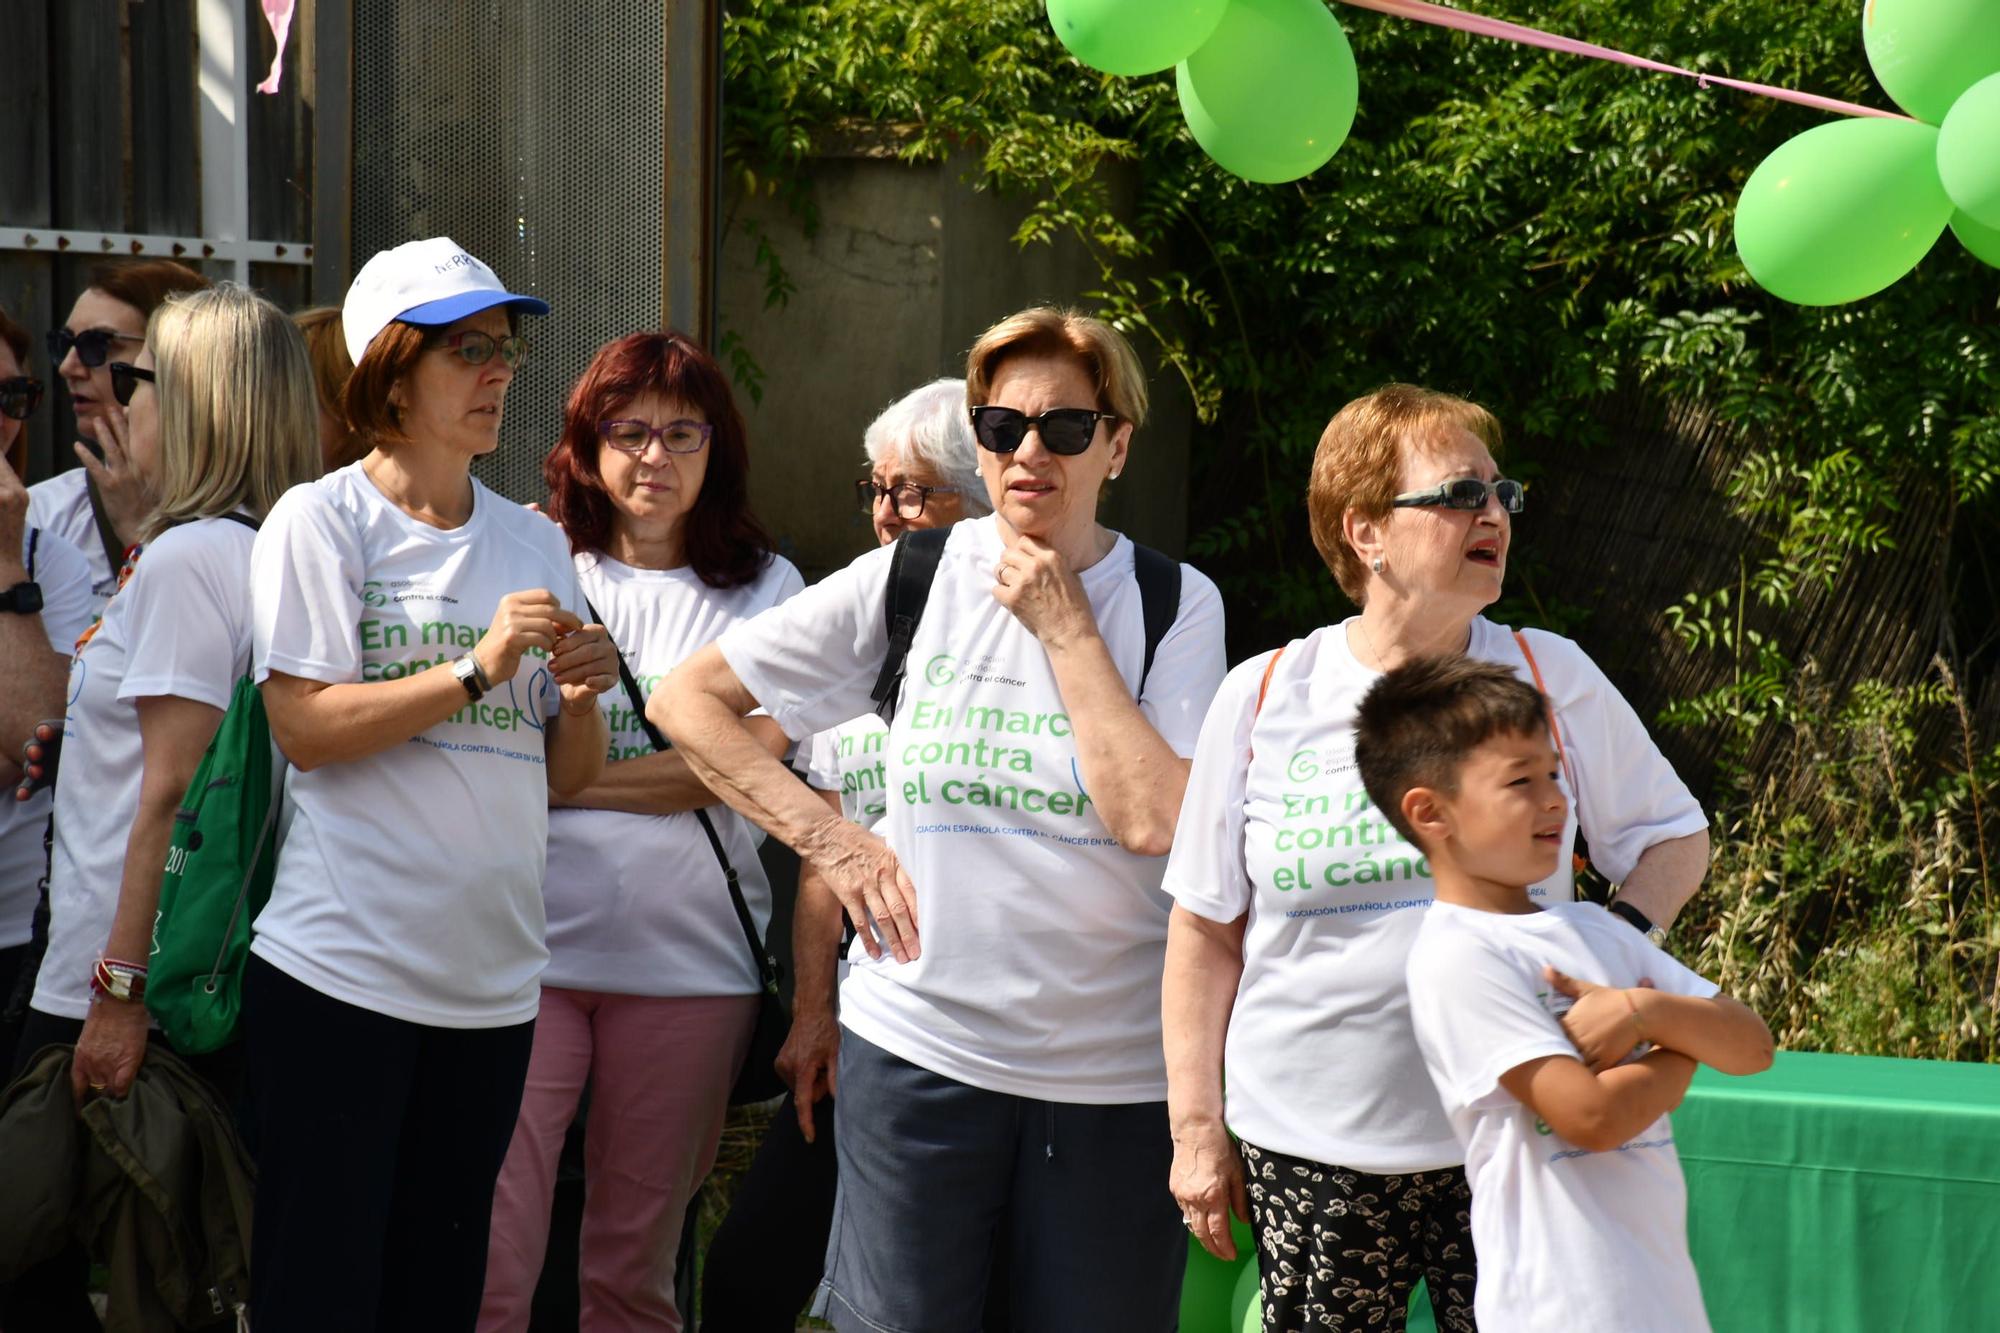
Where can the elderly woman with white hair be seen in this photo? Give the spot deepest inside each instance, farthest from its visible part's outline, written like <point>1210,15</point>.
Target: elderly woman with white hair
<point>923,472</point>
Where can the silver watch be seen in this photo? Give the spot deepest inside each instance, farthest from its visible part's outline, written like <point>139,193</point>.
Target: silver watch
<point>466,668</point>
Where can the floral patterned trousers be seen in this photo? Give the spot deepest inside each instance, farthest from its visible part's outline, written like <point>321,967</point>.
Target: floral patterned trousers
<point>1342,1249</point>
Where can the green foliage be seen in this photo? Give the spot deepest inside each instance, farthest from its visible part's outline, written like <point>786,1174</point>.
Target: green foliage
<point>1536,232</point>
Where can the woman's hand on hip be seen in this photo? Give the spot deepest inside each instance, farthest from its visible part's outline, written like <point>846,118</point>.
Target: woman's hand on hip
<point>1034,582</point>
<point>523,620</point>
<point>870,882</point>
<point>111,1049</point>
<point>584,665</point>
<point>1207,1182</point>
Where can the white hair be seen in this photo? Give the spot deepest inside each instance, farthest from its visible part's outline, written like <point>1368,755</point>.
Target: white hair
<point>932,426</point>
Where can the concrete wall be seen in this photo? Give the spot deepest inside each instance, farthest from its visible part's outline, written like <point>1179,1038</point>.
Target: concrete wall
<point>907,267</point>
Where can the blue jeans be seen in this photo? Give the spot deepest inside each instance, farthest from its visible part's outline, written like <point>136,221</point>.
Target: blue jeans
<point>932,1170</point>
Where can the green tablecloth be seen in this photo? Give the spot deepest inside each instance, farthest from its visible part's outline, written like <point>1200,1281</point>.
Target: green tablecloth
<point>1838,1192</point>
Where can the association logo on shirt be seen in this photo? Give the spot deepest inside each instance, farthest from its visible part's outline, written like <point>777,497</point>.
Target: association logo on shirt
<point>944,669</point>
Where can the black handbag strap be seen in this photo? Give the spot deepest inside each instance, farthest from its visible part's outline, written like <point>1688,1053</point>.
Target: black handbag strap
<point>767,966</point>
<point>114,554</point>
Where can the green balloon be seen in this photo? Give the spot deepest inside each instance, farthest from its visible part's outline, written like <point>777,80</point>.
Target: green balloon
<point>1246,1303</point>
<point>1206,1287</point>
<point>1271,95</point>
<point>1134,36</point>
<point>1927,52</point>
<point>1968,151</point>
<point>1842,211</point>
<point>1984,242</point>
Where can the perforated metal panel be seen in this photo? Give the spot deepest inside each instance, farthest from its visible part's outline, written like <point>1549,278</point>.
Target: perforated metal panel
<point>533,134</point>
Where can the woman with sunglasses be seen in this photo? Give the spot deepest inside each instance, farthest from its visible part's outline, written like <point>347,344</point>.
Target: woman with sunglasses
<point>765,1259</point>
<point>651,993</point>
<point>45,603</point>
<point>1295,902</point>
<point>427,670</point>
<point>1000,1067</point>
<point>100,507</point>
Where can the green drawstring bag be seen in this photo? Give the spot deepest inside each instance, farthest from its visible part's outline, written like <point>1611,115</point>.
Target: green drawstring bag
<point>218,877</point>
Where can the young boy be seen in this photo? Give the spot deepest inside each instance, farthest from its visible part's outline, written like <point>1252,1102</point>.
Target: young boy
<point>1558,1037</point>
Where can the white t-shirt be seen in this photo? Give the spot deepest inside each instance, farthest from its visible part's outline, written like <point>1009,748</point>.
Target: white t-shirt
<point>848,759</point>
<point>1319,1062</point>
<point>67,610</point>
<point>409,882</point>
<point>1043,940</point>
<point>637,904</point>
<point>1566,1238</point>
<point>180,627</point>
<point>61,505</point>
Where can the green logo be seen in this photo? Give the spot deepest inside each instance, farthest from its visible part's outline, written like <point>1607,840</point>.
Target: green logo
<point>1542,1126</point>
<point>941,670</point>
<point>372,595</point>
<point>1304,767</point>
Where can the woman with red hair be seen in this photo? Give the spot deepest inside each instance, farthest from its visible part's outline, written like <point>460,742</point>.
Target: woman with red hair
<point>651,993</point>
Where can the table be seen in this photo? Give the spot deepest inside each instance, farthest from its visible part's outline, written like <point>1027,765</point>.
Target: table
<point>1838,1193</point>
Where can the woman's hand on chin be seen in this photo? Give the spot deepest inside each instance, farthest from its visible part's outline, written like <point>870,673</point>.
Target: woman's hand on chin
<point>1035,582</point>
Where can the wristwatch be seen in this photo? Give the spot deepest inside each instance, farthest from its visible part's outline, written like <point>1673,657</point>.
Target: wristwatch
<point>1639,921</point>
<point>471,675</point>
<point>23,599</point>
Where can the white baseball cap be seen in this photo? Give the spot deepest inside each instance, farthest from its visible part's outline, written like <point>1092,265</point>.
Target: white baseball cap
<point>422,282</point>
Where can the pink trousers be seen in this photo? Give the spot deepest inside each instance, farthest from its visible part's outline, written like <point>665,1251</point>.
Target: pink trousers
<point>659,1072</point>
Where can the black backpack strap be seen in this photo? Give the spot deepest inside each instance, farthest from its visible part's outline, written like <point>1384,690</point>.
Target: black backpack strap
<point>1159,579</point>
<point>34,543</point>
<point>254,524</point>
<point>913,567</point>
<point>767,966</point>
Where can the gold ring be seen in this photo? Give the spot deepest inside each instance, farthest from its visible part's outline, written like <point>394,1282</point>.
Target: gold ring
<point>97,1087</point>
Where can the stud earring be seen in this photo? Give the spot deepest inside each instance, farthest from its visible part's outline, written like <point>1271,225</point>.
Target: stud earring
<point>1376,564</point>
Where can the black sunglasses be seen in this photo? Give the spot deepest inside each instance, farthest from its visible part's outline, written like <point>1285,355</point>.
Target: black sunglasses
<point>1064,430</point>
<point>1466,493</point>
<point>92,345</point>
<point>18,397</point>
<point>125,381</point>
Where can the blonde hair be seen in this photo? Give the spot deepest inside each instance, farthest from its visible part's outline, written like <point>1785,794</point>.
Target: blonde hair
<point>239,420</point>
<point>1360,458</point>
<point>1043,330</point>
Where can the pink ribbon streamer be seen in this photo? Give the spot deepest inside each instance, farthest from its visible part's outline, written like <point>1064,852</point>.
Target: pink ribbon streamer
<point>1424,12</point>
<point>277,13</point>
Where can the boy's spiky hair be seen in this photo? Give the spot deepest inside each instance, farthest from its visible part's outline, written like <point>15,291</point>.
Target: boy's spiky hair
<point>1418,723</point>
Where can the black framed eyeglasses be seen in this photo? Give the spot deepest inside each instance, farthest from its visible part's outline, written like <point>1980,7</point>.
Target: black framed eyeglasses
<point>125,381</point>
<point>1466,493</point>
<point>92,345</point>
<point>476,348</point>
<point>1064,430</point>
<point>676,437</point>
<point>908,497</point>
<point>19,396</point>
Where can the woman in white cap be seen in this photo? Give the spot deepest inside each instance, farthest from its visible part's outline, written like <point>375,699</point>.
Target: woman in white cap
<point>429,678</point>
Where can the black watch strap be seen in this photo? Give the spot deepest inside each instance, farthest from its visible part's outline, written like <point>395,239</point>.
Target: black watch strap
<point>23,599</point>
<point>1632,916</point>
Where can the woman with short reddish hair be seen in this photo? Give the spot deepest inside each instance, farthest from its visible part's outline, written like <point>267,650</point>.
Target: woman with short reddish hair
<point>651,993</point>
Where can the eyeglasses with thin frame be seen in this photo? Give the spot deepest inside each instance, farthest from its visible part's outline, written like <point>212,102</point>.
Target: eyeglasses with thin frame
<point>125,381</point>
<point>92,345</point>
<point>19,397</point>
<point>908,497</point>
<point>1466,493</point>
<point>676,437</point>
<point>476,348</point>
<point>1064,430</point>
